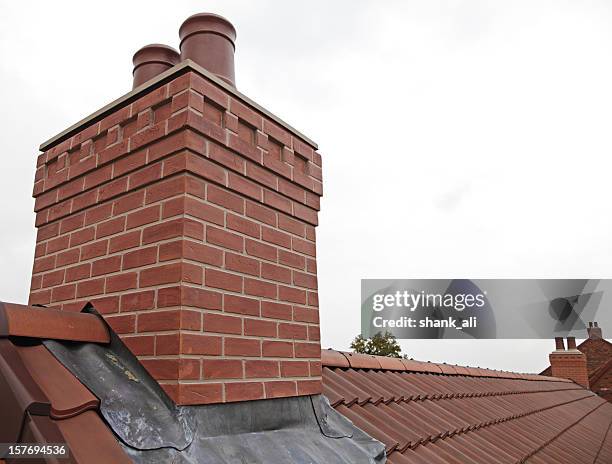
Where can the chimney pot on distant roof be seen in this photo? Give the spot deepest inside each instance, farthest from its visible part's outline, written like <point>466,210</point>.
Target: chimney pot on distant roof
<point>152,60</point>
<point>208,40</point>
<point>594,330</point>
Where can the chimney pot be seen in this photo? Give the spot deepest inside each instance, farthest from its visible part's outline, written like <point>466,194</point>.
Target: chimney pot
<point>571,343</point>
<point>152,60</point>
<point>594,331</point>
<point>560,346</point>
<point>590,324</point>
<point>208,40</point>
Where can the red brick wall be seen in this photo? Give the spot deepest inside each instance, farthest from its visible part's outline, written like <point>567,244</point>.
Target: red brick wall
<point>188,219</point>
<point>570,365</point>
<point>597,351</point>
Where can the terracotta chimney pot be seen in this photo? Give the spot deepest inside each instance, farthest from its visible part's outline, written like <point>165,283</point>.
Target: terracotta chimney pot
<point>208,39</point>
<point>594,330</point>
<point>152,60</point>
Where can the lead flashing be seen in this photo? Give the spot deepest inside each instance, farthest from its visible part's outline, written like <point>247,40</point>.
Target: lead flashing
<point>157,81</point>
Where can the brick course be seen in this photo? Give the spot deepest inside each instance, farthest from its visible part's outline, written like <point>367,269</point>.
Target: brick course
<point>187,218</point>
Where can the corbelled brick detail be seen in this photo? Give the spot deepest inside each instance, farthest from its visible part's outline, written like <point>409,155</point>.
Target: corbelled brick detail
<point>570,364</point>
<point>187,217</point>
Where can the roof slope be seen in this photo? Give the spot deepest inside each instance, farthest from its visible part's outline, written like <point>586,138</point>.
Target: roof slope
<point>438,413</point>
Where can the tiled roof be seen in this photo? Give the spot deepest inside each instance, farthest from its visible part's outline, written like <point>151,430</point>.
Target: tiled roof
<point>67,378</point>
<point>421,412</point>
<point>598,352</point>
<point>439,413</point>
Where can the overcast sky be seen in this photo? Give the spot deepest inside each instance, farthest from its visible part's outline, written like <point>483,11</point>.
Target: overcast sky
<point>460,139</point>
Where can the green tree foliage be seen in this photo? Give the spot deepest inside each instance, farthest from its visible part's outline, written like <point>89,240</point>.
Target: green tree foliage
<point>379,345</point>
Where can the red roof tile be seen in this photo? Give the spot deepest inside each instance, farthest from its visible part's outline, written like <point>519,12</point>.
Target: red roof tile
<point>334,358</point>
<point>68,396</point>
<point>19,392</point>
<point>439,413</point>
<point>30,321</point>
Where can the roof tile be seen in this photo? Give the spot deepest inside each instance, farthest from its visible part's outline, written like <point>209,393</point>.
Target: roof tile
<point>419,366</point>
<point>68,397</point>
<point>334,358</point>
<point>19,392</point>
<point>31,321</point>
<point>362,361</point>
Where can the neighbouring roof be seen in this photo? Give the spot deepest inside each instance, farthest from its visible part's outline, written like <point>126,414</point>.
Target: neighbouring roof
<point>67,378</point>
<point>440,413</point>
<point>598,352</point>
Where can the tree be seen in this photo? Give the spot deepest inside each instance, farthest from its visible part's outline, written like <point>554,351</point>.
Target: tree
<point>379,345</point>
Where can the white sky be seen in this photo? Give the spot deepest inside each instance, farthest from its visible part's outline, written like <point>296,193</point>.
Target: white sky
<point>460,139</point>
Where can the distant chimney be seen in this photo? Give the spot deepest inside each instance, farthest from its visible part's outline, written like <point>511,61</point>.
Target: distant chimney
<point>186,214</point>
<point>594,331</point>
<point>152,60</point>
<point>208,40</point>
<point>569,364</point>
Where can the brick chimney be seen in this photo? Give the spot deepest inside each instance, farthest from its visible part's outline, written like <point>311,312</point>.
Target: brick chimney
<point>569,364</point>
<point>594,331</point>
<point>186,213</point>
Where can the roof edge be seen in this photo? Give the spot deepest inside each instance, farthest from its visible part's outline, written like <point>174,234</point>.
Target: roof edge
<point>345,359</point>
<point>159,80</point>
<point>592,340</point>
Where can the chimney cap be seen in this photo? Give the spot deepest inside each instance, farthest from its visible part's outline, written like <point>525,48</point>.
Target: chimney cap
<point>207,22</point>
